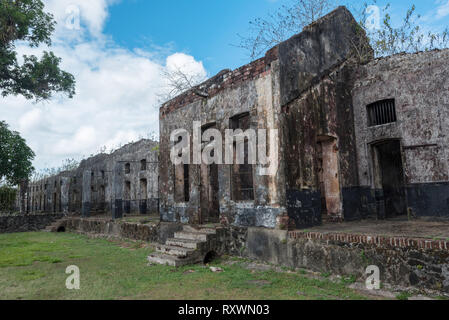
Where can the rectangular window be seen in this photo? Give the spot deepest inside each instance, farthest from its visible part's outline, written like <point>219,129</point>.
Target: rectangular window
<point>143,165</point>
<point>242,174</point>
<point>381,112</point>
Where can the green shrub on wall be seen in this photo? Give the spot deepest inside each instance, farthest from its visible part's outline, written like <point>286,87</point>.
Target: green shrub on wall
<point>7,199</point>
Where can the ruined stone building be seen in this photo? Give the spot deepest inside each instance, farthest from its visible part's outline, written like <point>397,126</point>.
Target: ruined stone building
<point>358,137</point>
<point>125,181</point>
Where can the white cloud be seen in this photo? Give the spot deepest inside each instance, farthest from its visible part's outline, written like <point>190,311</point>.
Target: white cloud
<point>117,88</point>
<point>443,9</point>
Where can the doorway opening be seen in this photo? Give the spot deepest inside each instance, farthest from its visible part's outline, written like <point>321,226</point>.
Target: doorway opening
<point>127,203</point>
<point>143,196</point>
<point>210,201</point>
<point>389,178</point>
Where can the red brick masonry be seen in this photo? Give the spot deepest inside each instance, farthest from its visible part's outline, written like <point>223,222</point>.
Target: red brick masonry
<point>222,81</point>
<point>379,241</point>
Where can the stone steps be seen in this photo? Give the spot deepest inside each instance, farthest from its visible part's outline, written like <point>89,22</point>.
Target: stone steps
<point>170,260</point>
<point>184,243</point>
<point>187,247</point>
<point>191,236</point>
<point>175,251</point>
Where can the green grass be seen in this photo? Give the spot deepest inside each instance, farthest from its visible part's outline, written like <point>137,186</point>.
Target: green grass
<point>32,266</point>
<point>404,296</point>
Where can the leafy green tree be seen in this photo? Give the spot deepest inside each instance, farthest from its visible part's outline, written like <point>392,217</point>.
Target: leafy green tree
<point>36,78</point>
<point>15,156</point>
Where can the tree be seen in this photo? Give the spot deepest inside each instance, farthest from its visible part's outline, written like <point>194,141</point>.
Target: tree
<point>409,36</point>
<point>15,156</point>
<point>265,33</point>
<point>177,80</point>
<point>26,21</point>
<point>386,39</point>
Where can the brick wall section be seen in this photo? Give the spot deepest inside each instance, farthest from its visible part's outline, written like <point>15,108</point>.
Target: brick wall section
<point>376,241</point>
<point>223,80</point>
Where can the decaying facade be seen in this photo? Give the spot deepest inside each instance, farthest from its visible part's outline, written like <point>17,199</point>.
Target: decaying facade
<point>358,136</point>
<point>125,181</point>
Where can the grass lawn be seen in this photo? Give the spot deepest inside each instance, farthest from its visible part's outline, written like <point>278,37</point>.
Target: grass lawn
<point>32,266</point>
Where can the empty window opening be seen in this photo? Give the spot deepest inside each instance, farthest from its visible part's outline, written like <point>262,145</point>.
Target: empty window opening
<point>102,174</point>
<point>127,168</point>
<point>242,174</point>
<point>381,112</point>
<point>143,165</point>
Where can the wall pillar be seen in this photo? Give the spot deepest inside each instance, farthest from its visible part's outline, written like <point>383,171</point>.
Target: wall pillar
<point>23,190</point>
<point>117,192</point>
<point>65,186</point>
<point>86,194</point>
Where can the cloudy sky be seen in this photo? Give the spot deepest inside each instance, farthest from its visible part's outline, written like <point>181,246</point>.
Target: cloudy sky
<point>117,52</point>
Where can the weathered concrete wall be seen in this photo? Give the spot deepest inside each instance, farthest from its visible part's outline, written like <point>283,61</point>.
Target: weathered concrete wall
<point>246,90</point>
<point>321,115</point>
<point>27,223</point>
<point>99,181</point>
<point>265,89</point>
<point>420,263</point>
<point>419,84</point>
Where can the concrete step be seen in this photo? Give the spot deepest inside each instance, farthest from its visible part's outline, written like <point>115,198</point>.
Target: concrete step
<point>175,251</point>
<point>187,228</point>
<point>168,260</point>
<point>184,243</point>
<point>191,236</point>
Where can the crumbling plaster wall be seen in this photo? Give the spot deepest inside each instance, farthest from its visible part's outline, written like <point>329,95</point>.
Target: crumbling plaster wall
<point>419,83</point>
<point>255,96</point>
<point>91,188</point>
<point>294,79</point>
<point>315,72</point>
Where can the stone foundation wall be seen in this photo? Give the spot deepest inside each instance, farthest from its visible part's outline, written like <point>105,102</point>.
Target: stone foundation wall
<point>109,228</point>
<point>419,263</point>
<point>26,223</point>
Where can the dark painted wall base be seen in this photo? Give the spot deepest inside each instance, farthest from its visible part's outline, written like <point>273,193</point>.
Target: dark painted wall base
<point>85,210</point>
<point>117,210</point>
<point>429,199</point>
<point>304,208</point>
<point>359,203</point>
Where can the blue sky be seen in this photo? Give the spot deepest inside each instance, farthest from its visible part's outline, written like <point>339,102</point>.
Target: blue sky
<point>206,29</point>
<point>118,54</point>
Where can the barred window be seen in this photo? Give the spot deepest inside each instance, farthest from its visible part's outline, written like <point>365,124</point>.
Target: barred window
<point>381,112</point>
